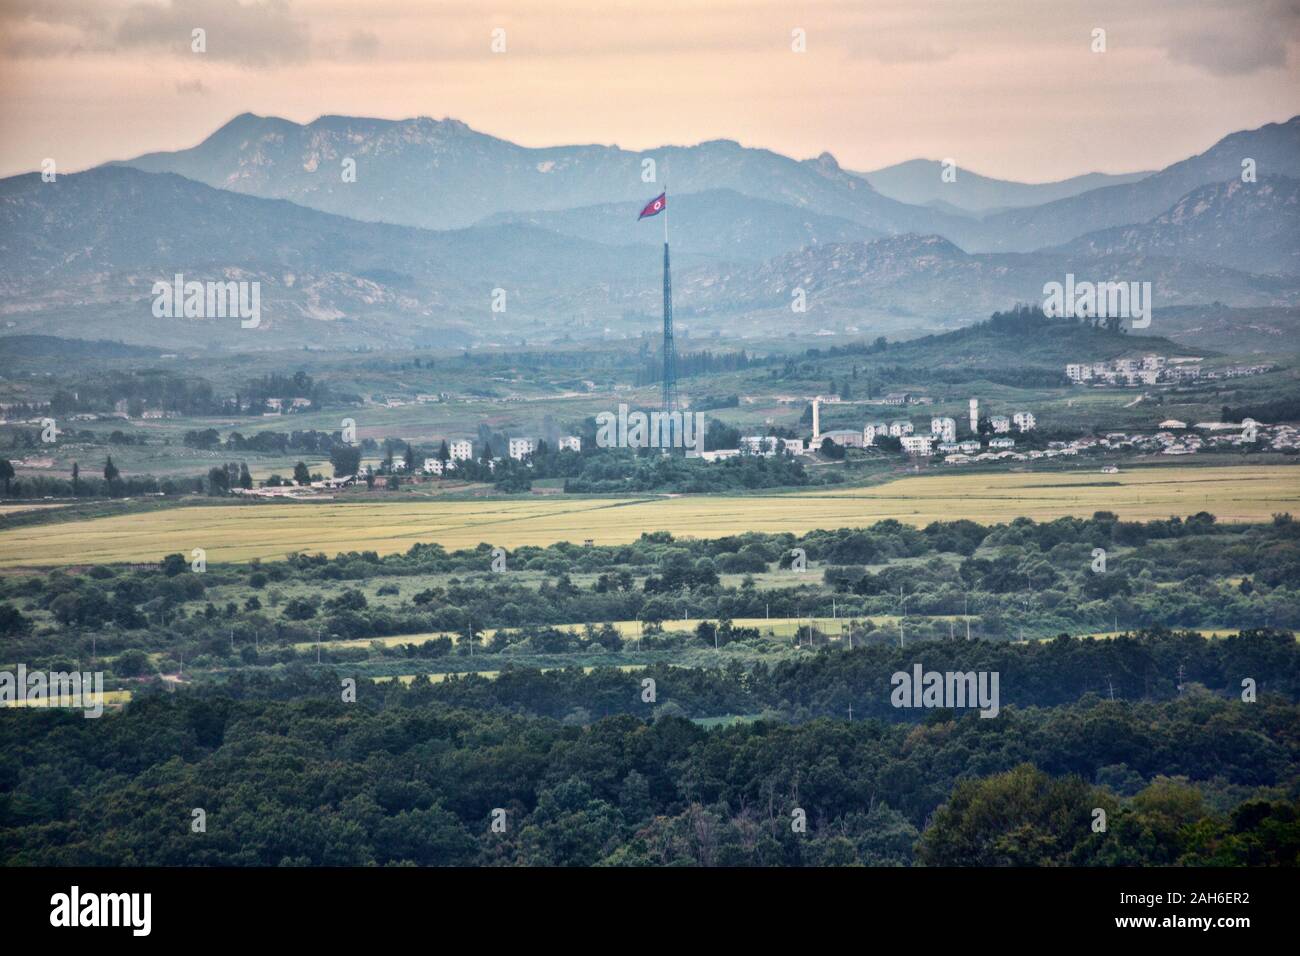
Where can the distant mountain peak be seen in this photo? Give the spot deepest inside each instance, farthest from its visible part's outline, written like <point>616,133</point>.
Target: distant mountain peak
<point>828,162</point>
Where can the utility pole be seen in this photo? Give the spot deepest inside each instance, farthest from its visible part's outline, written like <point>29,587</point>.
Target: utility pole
<point>902,615</point>
<point>965,598</point>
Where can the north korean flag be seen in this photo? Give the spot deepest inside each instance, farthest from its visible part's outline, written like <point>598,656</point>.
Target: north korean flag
<point>654,207</point>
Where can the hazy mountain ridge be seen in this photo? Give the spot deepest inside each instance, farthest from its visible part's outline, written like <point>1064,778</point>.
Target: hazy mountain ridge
<point>1254,227</point>
<point>718,224</point>
<point>930,276</point>
<point>1275,148</point>
<point>93,244</point>
<point>80,256</point>
<point>920,182</point>
<point>440,174</point>
<point>443,174</point>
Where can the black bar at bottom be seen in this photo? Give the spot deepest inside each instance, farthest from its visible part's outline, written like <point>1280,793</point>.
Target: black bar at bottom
<point>334,905</point>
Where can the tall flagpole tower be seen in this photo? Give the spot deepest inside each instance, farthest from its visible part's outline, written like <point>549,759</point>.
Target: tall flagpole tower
<point>670,352</point>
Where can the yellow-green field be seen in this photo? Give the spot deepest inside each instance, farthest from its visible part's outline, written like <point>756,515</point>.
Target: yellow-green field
<point>112,698</point>
<point>767,627</point>
<point>1234,494</point>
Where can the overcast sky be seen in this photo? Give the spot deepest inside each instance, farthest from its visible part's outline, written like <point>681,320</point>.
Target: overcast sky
<point>1009,88</point>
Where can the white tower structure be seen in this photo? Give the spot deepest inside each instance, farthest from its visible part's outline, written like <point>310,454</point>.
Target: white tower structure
<point>975,415</point>
<point>817,422</point>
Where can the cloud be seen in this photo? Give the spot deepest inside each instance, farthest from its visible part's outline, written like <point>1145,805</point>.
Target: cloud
<point>261,33</point>
<point>363,45</point>
<point>1238,39</point>
<point>892,50</point>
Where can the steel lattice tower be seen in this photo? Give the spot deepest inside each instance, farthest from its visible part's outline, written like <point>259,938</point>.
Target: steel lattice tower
<point>670,352</point>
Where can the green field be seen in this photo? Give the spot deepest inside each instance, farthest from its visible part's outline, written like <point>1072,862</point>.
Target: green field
<point>777,627</point>
<point>270,531</point>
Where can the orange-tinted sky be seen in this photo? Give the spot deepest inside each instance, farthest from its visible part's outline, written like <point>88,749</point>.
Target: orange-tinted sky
<point>1009,88</point>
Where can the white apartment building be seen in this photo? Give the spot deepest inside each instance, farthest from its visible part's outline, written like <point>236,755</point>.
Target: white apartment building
<point>1025,421</point>
<point>900,428</point>
<point>917,444</point>
<point>461,450</point>
<point>521,448</point>
<point>433,466</point>
<point>570,443</point>
<point>945,429</point>
<point>1000,423</point>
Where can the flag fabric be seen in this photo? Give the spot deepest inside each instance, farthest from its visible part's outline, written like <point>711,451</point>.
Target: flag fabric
<point>654,207</point>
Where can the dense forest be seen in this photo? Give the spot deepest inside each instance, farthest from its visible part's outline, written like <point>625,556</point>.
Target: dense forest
<point>286,772</point>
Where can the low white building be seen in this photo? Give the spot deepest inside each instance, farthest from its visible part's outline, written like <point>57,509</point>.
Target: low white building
<point>917,444</point>
<point>844,437</point>
<point>720,454</point>
<point>769,445</point>
<point>1000,423</point>
<point>570,443</point>
<point>1002,443</point>
<point>433,466</point>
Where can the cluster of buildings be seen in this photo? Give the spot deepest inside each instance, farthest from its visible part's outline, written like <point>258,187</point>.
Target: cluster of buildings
<point>278,406</point>
<point>942,436</point>
<point>1153,370</point>
<point>1178,438</point>
<point>1172,437</point>
<point>517,448</point>
<point>462,450</point>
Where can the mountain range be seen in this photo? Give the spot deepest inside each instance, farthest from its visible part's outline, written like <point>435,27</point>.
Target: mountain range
<point>922,182</point>
<point>441,218</point>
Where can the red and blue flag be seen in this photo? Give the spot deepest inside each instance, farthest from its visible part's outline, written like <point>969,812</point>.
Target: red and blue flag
<point>654,207</point>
